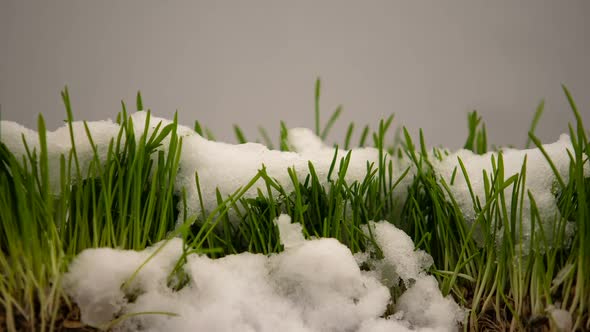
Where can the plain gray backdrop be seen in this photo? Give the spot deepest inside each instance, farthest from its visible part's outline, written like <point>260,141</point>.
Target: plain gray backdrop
<point>255,62</point>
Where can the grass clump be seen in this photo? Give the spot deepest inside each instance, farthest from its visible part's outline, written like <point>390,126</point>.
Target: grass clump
<point>129,200</point>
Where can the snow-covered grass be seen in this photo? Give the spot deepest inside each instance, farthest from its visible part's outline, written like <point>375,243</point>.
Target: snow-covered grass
<point>144,223</point>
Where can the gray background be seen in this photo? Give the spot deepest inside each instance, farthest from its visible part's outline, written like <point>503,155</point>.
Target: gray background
<point>254,62</point>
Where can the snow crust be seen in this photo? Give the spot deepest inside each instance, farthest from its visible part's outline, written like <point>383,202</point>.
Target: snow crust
<point>314,285</point>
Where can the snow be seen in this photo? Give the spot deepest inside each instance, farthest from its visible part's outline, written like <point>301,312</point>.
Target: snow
<point>540,180</point>
<point>423,305</point>
<point>291,234</point>
<point>222,166</point>
<point>561,318</point>
<point>228,167</point>
<point>314,285</point>
<point>59,143</point>
<point>400,259</point>
<point>96,276</point>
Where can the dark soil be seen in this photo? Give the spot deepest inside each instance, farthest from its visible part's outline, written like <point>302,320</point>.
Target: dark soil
<point>68,320</point>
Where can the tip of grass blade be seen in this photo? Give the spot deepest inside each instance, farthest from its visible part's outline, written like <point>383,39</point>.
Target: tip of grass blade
<point>239,134</point>
<point>536,118</point>
<point>139,102</point>
<point>317,106</point>
<point>198,128</point>
<point>331,122</point>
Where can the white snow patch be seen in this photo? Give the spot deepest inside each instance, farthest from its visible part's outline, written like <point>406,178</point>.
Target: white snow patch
<point>227,167</point>
<point>424,306</point>
<point>561,318</point>
<point>540,180</point>
<point>291,234</point>
<point>400,259</point>
<point>314,285</point>
<point>59,143</point>
<point>95,277</point>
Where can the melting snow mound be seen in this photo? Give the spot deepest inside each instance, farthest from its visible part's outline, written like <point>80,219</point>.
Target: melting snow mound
<point>540,181</point>
<point>313,285</point>
<point>220,166</point>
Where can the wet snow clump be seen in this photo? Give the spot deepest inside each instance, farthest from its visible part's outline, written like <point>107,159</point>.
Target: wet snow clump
<point>313,285</point>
